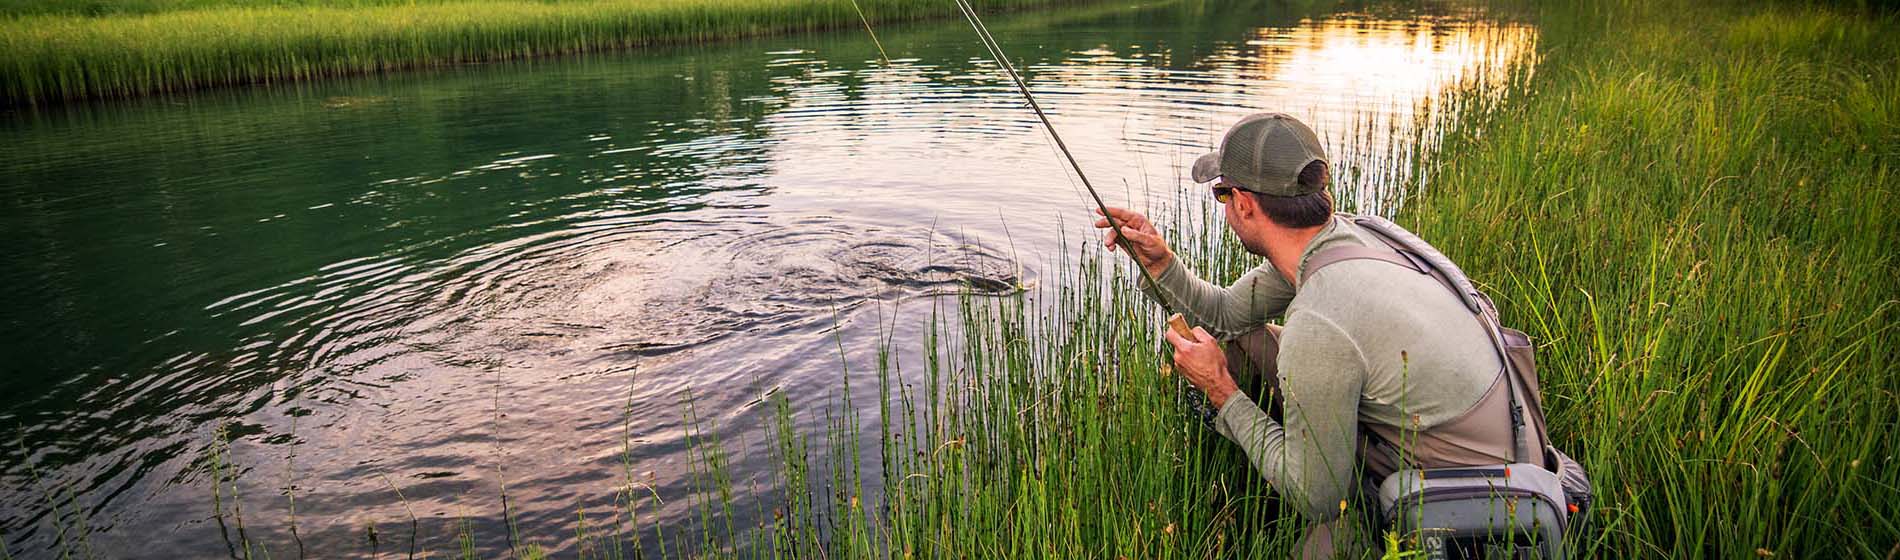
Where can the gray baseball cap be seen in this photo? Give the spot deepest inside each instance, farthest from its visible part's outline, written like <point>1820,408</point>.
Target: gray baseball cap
<point>1263,153</point>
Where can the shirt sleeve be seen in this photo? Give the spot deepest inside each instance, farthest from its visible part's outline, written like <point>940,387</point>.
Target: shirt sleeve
<point>1257,296</point>
<point>1309,459</point>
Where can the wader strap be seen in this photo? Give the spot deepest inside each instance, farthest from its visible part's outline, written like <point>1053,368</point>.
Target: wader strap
<point>1396,253</point>
<point>1341,254</point>
<point>1448,272</point>
<point>1520,447</point>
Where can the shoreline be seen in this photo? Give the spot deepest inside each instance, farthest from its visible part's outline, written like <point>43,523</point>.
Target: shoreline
<point>51,59</point>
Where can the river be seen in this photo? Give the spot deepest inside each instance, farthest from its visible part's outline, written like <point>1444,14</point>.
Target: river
<point>511,277</point>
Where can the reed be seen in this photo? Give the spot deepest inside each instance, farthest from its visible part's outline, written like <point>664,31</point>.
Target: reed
<point>172,47</point>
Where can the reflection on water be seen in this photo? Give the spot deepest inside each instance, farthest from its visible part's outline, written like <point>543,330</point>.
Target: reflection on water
<point>519,275</point>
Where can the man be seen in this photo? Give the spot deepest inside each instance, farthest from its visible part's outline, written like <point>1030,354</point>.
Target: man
<point>1364,343</point>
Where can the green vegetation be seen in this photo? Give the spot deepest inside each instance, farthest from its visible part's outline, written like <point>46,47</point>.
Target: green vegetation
<point>100,8</point>
<point>1042,427</point>
<point>1693,208</point>
<point>141,46</point>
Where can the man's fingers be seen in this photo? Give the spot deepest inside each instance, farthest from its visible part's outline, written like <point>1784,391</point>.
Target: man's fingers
<point>1181,342</point>
<point>1126,219</point>
<point>1148,242</point>
<point>1174,338</point>
<point>1123,215</point>
<point>1141,237</point>
<point>1201,336</point>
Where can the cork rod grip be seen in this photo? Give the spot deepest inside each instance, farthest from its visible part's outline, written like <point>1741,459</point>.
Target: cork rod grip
<point>1180,326</point>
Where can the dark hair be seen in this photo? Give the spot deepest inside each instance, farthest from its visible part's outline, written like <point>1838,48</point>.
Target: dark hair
<point>1303,211</point>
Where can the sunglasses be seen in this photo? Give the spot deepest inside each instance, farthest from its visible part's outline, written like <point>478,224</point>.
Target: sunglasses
<point>1224,194</point>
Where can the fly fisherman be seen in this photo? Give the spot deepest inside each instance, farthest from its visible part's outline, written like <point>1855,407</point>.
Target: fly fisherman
<point>1376,366</point>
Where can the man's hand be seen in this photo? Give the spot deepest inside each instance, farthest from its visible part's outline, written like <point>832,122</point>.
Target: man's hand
<point>1201,361</point>
<point>1150,251</point>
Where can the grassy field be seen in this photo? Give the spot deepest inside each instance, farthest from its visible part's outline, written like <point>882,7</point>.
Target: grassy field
<point>61,50</point>
<point>1694,209</point>
<point>101,8</point>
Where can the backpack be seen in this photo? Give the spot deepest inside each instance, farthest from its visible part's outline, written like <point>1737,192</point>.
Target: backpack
<point>1436,504</point>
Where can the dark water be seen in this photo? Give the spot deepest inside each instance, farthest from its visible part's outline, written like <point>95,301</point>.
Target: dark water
<point>508,275</point>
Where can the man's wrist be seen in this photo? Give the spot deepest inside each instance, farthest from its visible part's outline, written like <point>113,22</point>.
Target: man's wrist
<point>1219,395</point>
<point>1161,266</point>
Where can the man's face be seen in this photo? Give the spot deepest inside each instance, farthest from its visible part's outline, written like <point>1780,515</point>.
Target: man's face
<point>1242,212</point>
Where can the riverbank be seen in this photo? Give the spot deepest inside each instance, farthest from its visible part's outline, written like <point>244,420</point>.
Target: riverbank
<point>1693,208</point>
<point>137,47</point>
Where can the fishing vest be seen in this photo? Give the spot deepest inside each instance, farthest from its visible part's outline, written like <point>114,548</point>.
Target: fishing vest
<point>1437,466</point>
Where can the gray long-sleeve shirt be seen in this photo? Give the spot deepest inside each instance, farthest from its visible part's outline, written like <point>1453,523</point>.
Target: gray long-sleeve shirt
<point>1364,341</point>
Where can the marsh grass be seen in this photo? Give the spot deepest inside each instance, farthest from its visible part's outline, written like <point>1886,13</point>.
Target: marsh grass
<point>1044,428</point>
<point>103,8</point>
<point>227,502</point>
<point>1693,208</point>
<point>71,528</point>
<point>46,57</point>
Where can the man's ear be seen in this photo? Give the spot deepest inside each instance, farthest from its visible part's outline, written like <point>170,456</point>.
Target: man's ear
<point>1245,205</point>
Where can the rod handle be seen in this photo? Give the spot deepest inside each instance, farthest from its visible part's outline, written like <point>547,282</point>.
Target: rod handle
<point>1180,326</point>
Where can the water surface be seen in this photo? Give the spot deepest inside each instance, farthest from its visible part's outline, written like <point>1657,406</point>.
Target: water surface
<point>527,275</point>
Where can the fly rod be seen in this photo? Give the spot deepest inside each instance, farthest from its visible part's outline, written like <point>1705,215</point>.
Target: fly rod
<point>1175,321</point>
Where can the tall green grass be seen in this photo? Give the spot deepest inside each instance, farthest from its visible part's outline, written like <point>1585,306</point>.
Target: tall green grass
<point>65,56</point>
<point>101,8</point>
<point>1694,208</point>
<point>1044,427</point>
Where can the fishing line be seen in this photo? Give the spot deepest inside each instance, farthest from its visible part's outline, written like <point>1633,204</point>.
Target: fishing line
<point>1002,60</point>
<point>996,52</point>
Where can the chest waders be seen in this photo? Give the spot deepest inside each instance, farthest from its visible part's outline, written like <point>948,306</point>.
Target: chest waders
<point>1519,509</point>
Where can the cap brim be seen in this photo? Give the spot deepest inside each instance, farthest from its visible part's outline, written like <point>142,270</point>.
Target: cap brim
<point>1207,167</point>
